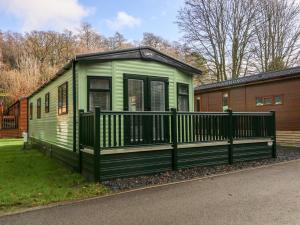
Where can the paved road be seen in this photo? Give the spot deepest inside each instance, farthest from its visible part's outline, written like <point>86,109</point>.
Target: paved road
<point>261,196</point>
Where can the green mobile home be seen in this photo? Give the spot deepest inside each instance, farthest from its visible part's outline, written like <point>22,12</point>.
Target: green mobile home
<point>100,108</point>
<point>139,79</point>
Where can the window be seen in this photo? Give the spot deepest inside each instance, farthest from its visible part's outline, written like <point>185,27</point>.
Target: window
<point>47,102</point>
<point>99,93</point>
<point>182,97</point>
<point>259,101</point>
<point>158,98</point>
<point>225,101</point>
<point>268,101</point>
<point>278,100</point>
<point>30,111</point>
<point>63,99</point>
<point>198,104</point>
<point>38,108</point>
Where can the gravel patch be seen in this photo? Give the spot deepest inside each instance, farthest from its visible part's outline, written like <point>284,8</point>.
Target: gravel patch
<point>283,153</point>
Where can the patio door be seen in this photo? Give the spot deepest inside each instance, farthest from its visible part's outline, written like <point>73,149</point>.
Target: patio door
<point>143,93</point>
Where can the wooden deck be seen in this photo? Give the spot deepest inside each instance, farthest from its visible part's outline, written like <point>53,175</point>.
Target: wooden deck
<point>181,146</point>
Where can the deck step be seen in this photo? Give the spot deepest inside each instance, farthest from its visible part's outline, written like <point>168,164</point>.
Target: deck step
<point>288,138</point>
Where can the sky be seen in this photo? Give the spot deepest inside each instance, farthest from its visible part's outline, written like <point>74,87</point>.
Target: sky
<point>130,17</point>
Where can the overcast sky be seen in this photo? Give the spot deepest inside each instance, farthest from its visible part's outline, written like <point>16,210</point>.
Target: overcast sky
<point>130,17</point>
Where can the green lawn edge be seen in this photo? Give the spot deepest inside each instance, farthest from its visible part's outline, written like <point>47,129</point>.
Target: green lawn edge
<point>29,178</point>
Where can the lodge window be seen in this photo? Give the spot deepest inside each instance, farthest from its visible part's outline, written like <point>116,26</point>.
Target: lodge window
<point>198,104</point>
<point>63,99</point>
<point>38,108</point>
<point>269,100</point>
<point>31,111</point>
<point>99,93</point>
<point>278,99</point>
<point>47,102</point>
<point>259,101</point>
<point>182,97</point>
<point>225,101</point>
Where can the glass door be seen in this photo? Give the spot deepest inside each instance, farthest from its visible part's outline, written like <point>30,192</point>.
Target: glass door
<point>136,102</point>
<point>142,93</point>
<point>158,103</point>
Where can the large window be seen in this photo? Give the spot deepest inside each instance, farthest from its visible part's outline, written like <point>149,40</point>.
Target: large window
<point>63,99</point>
<point>99,93</point>
<point>30,111</point>
<point>38,108</point>
<point>47,102</point>
<point>182,97</point>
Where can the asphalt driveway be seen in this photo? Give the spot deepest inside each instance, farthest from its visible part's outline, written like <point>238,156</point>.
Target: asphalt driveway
<point>268,195</point>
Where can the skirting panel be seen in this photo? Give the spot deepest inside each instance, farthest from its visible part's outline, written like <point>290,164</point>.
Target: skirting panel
<point>202,156</point>
<point>253,151</point>
<point>67,157</point>
<point>134,164</point>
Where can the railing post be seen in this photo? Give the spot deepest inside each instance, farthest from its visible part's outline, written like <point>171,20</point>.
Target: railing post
<point>97,144</point>
<point>81,111</point>
<point>274,150</point>
<point>174,138</point>
<point>230,137</point>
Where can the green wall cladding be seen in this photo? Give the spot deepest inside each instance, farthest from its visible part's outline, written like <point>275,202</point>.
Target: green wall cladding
<point>204,156</point>
<point>134,164</point>
<point>251,151</point>
<point>53,128</point>
<point>116,70</point>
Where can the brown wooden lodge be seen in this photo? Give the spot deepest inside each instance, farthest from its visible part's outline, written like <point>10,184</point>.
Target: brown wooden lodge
<point>277,91</point>
<point>13,120</point>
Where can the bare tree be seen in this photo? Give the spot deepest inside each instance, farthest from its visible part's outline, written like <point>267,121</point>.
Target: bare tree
<point>277,32</point>
<point>90,40</point>
<point>118,41</point>
<point>221,30</point>
<point>1,54</point>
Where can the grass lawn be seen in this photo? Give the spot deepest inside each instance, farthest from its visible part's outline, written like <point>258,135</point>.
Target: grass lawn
<point>28,178</point>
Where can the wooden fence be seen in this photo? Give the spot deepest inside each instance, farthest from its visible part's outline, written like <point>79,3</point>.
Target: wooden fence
<point>109,130</point>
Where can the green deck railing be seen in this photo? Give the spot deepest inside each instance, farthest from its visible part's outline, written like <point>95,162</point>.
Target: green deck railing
<point>124,129</point>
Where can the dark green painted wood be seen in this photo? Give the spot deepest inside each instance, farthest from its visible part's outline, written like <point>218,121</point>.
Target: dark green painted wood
<point>251,151</point>
<point>97,143</point>
<point>202,156</point>
<point>86,129</point>
<point>174,139</point>
<point>67,157</point>
<point>87,165</point>
<point>230,137</point>
<point>135,164</point>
